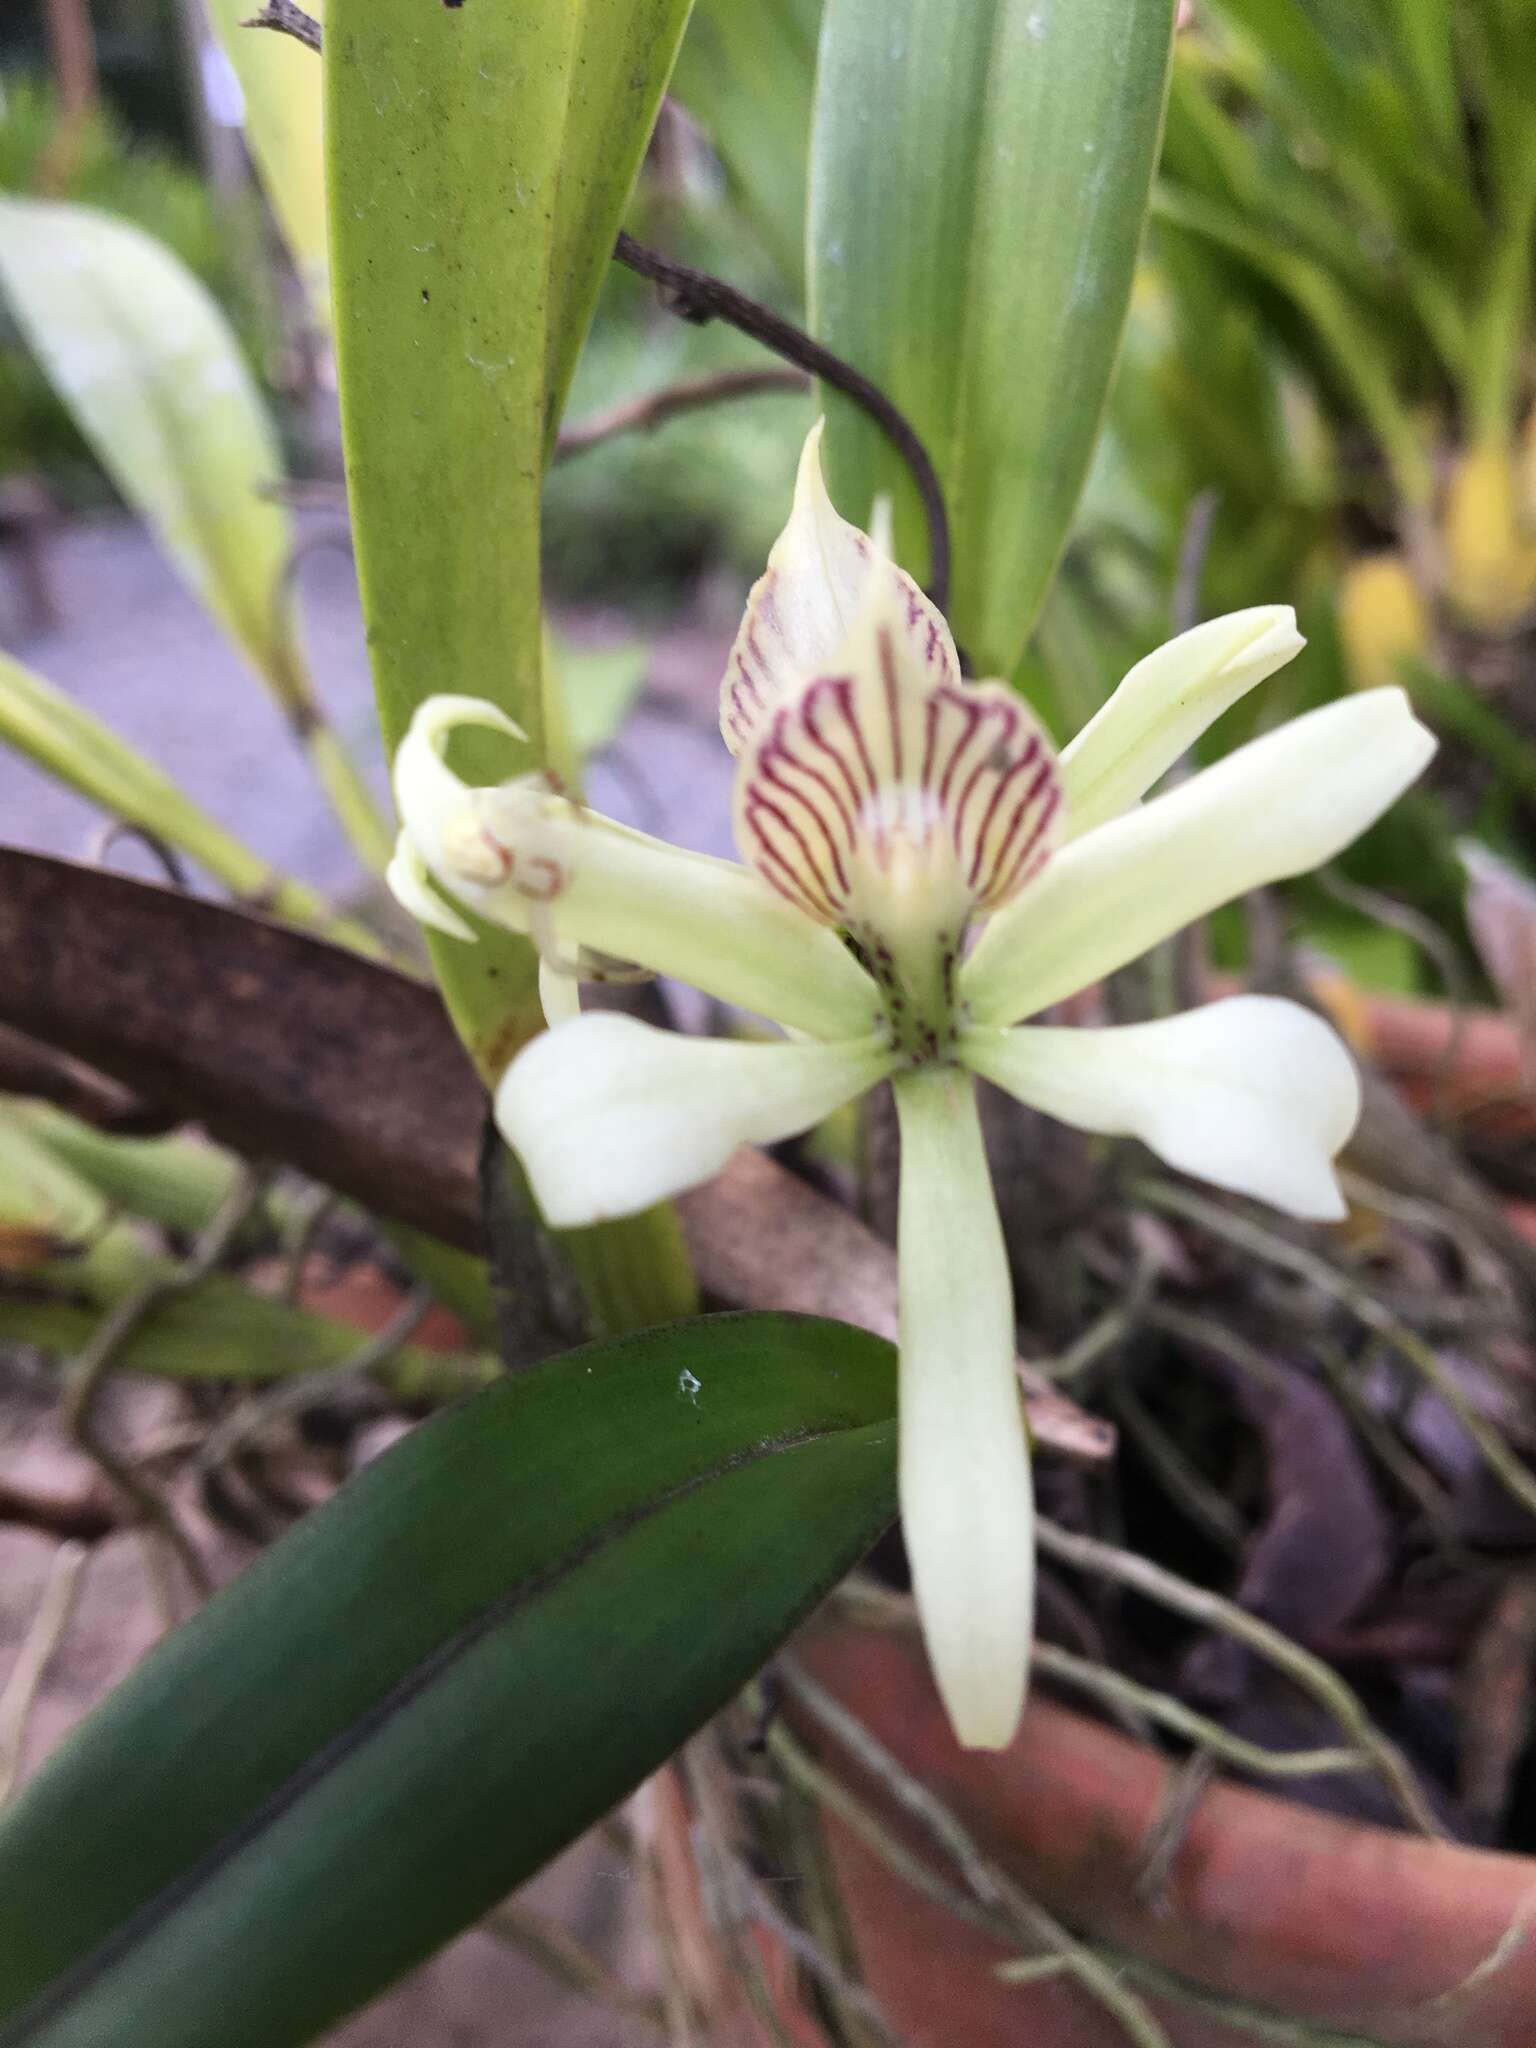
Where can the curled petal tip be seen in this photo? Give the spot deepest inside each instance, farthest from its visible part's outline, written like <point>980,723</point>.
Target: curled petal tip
<point>436,717</point>
<point>408,880</point>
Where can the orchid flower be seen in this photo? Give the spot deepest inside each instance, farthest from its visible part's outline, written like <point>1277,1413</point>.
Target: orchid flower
<point>920,873</point>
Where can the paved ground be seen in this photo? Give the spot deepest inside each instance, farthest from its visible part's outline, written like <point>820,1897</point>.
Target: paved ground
<point>137,649</point>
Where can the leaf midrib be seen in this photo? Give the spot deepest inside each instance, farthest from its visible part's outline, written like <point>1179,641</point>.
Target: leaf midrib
<point>148,1919</point>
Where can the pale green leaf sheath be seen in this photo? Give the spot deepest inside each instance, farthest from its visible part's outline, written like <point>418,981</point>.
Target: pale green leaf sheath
<point>920,874</point>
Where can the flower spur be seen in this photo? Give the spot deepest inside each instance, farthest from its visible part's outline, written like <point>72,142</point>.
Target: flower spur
<point>920,871</point>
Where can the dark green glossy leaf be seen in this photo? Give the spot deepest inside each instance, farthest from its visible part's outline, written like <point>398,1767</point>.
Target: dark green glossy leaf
<point>435,1682</point>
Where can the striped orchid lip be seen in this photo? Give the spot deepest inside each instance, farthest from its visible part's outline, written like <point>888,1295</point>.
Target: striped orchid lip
<point>877,791</point>
<point>896,805</point>
<point>920,871</point>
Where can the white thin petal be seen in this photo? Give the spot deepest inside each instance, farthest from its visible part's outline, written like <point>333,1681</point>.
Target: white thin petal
<point>967,1504</point>
<point>1254,1094</point>
<point>526,858</point>
<point>1277,807</point>
<point>610,1115</point>
<point>409,881</point>
<point>800,610</point>
<point>1165,704</point>
<point>559,995</point>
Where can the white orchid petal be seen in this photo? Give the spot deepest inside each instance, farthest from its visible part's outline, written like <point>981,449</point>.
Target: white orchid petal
<point>710,922</point>
<point>1277,807</point>
<point>526,858</point>
<point>804,605</point>
<point>1165,703</point>
<point>427,791</point>
<point>409,881</point>
<point>1254,1094</point>
<point>966,1497</point>
<point>610,1115</point>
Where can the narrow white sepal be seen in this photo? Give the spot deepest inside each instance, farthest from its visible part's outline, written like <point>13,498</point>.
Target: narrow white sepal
<point>1165,703</point>
<point>1254,1094</point>
<point>803,607</point>
<point>609,1115</point>
<point>799,610</point>
<point>409,882</point>
<point>559,995</point>
<point>1277,807</point>
<point>967,1502</point>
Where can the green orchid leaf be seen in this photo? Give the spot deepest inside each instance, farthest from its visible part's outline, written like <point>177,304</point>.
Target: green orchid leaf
<point>435,1682</point>
<point>475,186</point>
<point>747,73</point>
<point>478,160</point>
<point>148,365</point>
<point>1346,342</point>
<point>280,82</point>
<point>619,57</point>
<point>979,180</point>
<point>1344,92</point>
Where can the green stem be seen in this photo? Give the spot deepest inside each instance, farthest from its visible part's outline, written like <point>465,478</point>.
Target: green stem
<point>350,797</point>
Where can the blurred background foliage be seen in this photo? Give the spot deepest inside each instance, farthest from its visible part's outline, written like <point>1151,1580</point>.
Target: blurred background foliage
<point>1324,393</point>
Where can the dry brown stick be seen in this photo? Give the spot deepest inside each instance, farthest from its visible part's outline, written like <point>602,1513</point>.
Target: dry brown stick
<point>989,1884</point>
<point>288,20</point>
<point>653,408</point>
<point>32,1069</point>
<point>123,1320</point>
<point>1311,1674</point>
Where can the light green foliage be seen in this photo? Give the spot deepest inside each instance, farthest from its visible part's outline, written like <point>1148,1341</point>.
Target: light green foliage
<point>280,81</point>
<point>747,73</point>
<point>221,1333</point>
<point>979,179</point>
<point>1325,156</point>
<point>616,60</point>
<point>154,376</point>
<point>137,182</point>
<point>74,746</point>
<point>153,373</point>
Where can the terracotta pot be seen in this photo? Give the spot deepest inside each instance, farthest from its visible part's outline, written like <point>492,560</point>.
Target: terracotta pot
<point>1473,1057</point>
<point>1357,1929</point>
